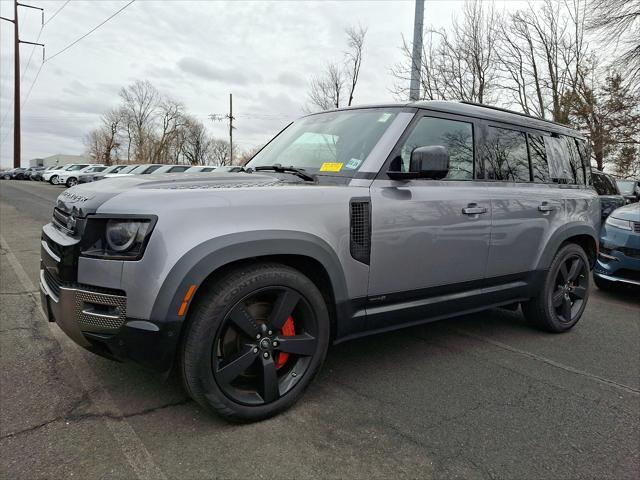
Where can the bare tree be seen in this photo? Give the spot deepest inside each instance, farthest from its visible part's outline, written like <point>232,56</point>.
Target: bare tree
<point>196,144</point>
<point>170,119</point>
<point>459,63</point>
<point>327,90</point>
<point>619,20</point>
<point>219,152</point>
<point>248,154</point>
<point>140,104</point>
<point>102,143</point>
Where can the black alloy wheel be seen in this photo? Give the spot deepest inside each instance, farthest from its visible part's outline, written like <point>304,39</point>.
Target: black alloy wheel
<point>570,288</point>
<point>255,338</point>
<point>562,298</point>
<point>254,361</point>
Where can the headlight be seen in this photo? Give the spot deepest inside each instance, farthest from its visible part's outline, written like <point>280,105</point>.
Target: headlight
<point>618,223</point>
<point>117,238</point>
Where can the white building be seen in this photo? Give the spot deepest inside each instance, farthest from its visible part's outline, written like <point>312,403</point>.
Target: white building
<point>58,159</point>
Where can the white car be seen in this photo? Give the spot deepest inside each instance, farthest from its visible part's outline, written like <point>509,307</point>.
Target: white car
<point>171,169</point>
<point>52,176</point>
<point>143,169</point>
<point>69,177</point>
<point>200,169</point>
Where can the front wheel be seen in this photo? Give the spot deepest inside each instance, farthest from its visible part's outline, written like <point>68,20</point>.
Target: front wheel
<point>53,180</point>
<point>562,300</point>
<point>254,341</point>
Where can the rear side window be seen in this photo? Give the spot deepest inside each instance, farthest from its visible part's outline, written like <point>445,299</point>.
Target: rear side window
<point>506,156</point>
<point>558,158</point>
<point>583,149</point>
<point>575,161</point>
<point>538,155</point>
<point>455,136</point>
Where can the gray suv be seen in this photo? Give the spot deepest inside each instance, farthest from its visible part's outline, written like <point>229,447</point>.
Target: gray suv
<point>348,223</point>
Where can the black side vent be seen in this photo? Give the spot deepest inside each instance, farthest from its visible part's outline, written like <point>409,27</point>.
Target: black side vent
<point>360,229</point>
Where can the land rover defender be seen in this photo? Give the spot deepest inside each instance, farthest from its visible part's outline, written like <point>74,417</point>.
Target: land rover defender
<point>349,222</point>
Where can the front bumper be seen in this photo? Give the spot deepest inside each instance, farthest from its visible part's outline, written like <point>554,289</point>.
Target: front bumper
<point>619,256</point>
<point>96,318</point>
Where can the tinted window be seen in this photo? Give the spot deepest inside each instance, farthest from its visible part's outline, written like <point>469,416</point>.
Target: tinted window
<point>575,161</point>
<point>583,149</point>
<point>603,184</point>
<point>538,155</point>
<point>152,168</point>
<point>178,169</point>
<point>456,137</point>
<point>506,155</point>
<point>208,169</point>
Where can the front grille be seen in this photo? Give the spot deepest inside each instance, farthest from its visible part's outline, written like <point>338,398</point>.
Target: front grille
<point>63,221</point>
<point>360,230</point>
<point>53,282</point>
<point>636,227</point>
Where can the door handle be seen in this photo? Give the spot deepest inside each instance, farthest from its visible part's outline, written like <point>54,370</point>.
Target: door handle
<point>545,207</point>
<point>474,209</point>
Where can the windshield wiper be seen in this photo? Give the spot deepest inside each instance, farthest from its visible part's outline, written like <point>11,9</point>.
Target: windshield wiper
<point>276,167</point>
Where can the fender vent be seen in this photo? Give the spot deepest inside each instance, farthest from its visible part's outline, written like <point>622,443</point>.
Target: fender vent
<point>360,229</point>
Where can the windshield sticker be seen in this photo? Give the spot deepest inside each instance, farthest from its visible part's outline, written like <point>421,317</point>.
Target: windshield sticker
<point>353,163</point>
<point>384,117</point>
<point>331,167</point>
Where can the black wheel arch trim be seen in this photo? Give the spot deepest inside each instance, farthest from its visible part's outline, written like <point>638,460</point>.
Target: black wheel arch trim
<point>203,260</point>
<point>561,235</point>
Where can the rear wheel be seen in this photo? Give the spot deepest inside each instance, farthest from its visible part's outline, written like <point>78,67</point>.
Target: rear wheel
<point>563,298</point>
<point>72,182</point>
<point>255,340</point>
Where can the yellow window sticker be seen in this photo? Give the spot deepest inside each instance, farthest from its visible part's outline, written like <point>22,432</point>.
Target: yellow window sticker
<point>331,167</point>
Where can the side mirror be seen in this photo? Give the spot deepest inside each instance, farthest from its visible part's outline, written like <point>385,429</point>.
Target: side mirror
<point>430,162</point>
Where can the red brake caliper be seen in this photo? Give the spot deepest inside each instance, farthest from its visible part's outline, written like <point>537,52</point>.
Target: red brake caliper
<point>288,330</point>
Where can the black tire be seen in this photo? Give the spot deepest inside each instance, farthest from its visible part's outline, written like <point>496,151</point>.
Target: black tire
<point>214,319</point>
<point>71,182</point>
<point>603,284</point>
<point>563,297</point>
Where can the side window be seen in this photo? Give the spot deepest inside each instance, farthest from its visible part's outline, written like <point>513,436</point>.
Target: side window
<point>506,156</point>
<point>455,136</point>
<point>558,158</point>
<point>178,169</point>
<point>152,168</point>
<point>575,161</point>
<point>538,156</point>
<point>585,155</point>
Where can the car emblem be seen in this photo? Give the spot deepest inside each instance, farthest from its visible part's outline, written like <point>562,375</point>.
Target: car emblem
<point>71,223</point>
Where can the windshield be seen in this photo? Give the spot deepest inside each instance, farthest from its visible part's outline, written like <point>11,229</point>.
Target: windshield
<point>626,188</point>
<point>333,143</point>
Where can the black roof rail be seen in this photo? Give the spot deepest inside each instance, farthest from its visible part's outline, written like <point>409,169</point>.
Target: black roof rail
<point>500,109</point>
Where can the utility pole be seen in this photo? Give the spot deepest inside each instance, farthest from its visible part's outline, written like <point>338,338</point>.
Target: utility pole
<point>16,79</point>
<point>216,117</point>
<point>416,57</point>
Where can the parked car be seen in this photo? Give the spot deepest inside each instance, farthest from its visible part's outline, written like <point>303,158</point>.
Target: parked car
<point>229,168</point>
<point>171,169</point>
<point>610,197</point>
<point>93,176</point>
<point>200,169</point>
<point>37,175</point>
<point>349,222</point>
<point>619,254</point>
<point>13,174</point>
<point>70,177</point>
<point>630,189</point>
<point>30,171</point>
<point>143,169</point>
<point>53,176</point>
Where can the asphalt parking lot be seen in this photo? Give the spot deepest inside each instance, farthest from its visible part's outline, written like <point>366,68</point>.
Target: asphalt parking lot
<point>480,396</point>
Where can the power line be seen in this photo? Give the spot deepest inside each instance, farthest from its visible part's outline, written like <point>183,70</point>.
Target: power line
<point>32,84</point>
<point>24,72</point>
<point>88,33</point>
<point>57,12</point>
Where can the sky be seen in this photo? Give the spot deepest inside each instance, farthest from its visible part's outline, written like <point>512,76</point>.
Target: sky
<point>265,53</point>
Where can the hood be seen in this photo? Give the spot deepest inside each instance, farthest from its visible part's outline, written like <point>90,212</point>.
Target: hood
<point>85,199</point>
<point>629,212</point>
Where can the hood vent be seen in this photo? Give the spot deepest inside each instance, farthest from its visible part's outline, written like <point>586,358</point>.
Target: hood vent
<point>360,229</point>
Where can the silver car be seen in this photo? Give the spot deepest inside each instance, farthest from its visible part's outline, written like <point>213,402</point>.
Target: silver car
<point>348,223</point>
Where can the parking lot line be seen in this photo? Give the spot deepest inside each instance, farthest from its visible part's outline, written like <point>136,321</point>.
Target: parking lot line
<point>548,361</point>
<point>126,438</point>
